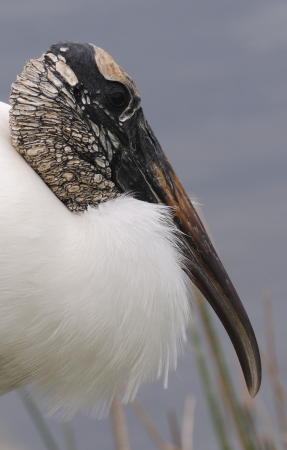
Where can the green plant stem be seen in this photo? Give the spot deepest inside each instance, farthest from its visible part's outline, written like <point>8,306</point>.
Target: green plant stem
<point>38,420</point>
<point>279,394</point>
<point>174,428</point>
<point>242,426</point>
<point>216,416</point>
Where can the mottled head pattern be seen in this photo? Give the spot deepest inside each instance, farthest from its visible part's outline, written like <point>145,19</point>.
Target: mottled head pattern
<point>70,110</point>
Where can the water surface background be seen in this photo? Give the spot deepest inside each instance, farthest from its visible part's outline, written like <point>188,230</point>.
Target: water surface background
<point>212,74</point>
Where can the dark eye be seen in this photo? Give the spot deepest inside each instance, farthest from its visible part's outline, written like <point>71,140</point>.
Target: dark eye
<point>117,96</point>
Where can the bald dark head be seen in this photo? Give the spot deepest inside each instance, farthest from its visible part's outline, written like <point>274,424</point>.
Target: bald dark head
<point>95,75</point>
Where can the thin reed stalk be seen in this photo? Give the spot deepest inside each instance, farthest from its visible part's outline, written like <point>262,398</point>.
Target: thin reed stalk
<point>245,435</point>
<point>151,430</point>
<point>38,420</point>
<point>188,424</point>
<point>174,428</point>
<point>272,363</point>
<point>213,404</point>
<point>119,427</point>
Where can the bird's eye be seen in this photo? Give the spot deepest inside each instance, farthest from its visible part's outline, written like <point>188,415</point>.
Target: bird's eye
<point>117,96</point>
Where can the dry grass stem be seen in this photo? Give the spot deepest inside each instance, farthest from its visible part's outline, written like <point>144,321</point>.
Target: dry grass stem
<point>188,424</point>
<point>119,427</point>
<point>151,430</point>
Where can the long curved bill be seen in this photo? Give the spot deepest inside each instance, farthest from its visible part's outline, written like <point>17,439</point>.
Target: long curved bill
<point>144,169</point>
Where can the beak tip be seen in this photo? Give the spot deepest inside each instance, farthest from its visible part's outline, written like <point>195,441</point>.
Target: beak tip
<point>253,372</point>
<point>254,385</point>
<point>254,388</point>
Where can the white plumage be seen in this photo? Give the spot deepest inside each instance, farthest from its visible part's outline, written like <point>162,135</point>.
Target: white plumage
<point>91,305</point>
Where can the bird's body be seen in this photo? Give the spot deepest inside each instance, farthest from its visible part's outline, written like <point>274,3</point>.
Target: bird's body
<point>87,296</point>
<point>98,240</point>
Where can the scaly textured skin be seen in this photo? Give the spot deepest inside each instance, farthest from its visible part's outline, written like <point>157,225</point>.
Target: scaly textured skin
<point>71,154</point>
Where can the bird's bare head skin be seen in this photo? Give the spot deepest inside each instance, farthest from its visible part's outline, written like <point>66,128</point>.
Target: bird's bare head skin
<point>68,116</point>
<point>77,120</point>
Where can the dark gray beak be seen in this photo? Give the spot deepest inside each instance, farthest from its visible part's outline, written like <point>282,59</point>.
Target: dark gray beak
<point>143,169</point>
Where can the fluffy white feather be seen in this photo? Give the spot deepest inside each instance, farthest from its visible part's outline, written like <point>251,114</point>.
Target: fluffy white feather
<point>91,305</point>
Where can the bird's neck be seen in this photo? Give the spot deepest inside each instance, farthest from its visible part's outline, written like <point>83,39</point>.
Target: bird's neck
<point>48,130</point>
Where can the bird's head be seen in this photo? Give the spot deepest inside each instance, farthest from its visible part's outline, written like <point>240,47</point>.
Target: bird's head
<point>77,120</point>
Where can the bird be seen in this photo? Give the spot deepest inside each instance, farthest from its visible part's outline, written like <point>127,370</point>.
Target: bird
<point>100,246</point>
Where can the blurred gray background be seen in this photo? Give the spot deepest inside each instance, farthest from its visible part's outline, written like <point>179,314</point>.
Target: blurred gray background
<point>212,74</point>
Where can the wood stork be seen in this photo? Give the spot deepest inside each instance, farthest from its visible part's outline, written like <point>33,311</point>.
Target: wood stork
<point>99,241</point>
